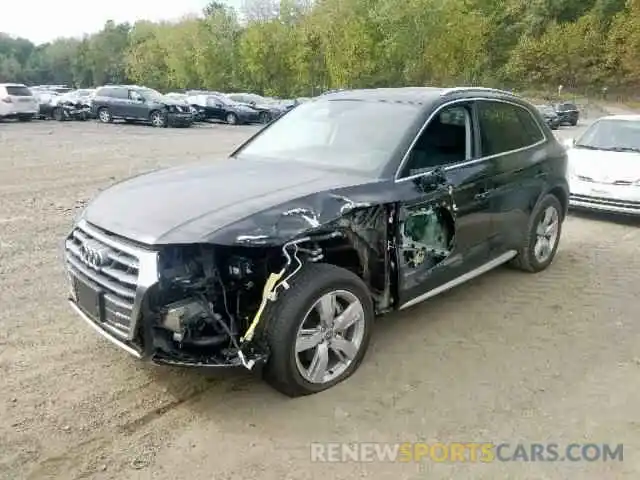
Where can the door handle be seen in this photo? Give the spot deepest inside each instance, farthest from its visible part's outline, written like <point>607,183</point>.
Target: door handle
<point>482,195</point>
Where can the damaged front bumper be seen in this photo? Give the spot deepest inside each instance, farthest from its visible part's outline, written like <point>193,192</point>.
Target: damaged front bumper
<point>110,283</point>
<point>160,357</point>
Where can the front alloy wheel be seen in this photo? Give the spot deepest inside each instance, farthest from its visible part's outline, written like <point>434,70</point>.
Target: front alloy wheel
<point>158,120</point>
<point>330,336</point>
<point>318,330</point>
<point>105,115</point>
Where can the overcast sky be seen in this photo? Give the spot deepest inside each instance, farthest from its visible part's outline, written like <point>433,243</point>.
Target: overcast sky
<point>44,20</point>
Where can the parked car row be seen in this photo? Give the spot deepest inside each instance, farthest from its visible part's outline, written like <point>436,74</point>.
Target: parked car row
<point>556,115</point>
<point>133,103</point>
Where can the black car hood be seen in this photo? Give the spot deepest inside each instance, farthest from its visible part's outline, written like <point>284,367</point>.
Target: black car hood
<point>199,203</point>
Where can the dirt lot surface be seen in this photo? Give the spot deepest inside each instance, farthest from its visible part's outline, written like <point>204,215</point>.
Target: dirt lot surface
<point>509,357</point>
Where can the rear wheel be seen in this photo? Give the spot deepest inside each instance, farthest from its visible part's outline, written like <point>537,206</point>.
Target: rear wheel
<point>104,114</point>
<point>318,330</point>
<point>543,238</point>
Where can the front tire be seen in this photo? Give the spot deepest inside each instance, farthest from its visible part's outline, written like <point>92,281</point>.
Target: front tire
<point>543,236</point>
<point>157,119</point>
<point>25,118</point>
<point>264,117</point>
<point>232,119</point>
<point>104,115</point>
<point>318,330</point>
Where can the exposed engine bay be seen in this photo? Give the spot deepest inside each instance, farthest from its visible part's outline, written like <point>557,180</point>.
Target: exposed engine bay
<point>211,300</point>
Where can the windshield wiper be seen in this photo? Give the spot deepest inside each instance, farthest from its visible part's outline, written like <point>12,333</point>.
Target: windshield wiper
<point>588,147</point>
<point>624,149</point>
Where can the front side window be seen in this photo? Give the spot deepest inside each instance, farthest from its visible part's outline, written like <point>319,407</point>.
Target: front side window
<point>135,96</point>
<point>445,140</point>
<point>358,135</point>
<point>505,127</point>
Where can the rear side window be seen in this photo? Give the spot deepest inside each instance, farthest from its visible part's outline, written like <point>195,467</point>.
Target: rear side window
<point>505,127</point>
<point>113,92</point>
<point>530,126</point>
<point>18,91</point>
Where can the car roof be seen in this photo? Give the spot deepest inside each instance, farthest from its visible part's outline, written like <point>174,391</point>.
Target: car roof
<point>633,117</point>
<point>12,85</point>
<point>418,95</point>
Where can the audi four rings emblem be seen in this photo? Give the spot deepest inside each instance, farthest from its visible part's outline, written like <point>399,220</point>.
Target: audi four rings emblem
<point>93,254</point>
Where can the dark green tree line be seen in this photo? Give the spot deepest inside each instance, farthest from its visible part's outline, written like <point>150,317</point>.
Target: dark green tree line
<point>297,47</point>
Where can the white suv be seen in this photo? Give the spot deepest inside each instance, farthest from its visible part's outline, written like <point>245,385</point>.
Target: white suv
<point>17,101</point>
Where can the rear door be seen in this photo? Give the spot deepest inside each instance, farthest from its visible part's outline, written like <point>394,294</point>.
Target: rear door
<point>514,144</point>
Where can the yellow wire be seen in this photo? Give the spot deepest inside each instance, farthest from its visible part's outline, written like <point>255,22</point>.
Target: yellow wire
<point>266,291</point>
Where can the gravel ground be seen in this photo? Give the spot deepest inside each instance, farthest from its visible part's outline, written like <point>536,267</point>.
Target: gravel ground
<point>509,357</point>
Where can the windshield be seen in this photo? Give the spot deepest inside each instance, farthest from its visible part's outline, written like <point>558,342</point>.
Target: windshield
<point>611,134</point>
<point>546,109</point>
<point>349,134</point>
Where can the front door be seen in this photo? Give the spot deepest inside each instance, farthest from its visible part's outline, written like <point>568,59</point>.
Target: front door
<point>136,106</point>
<point>444,222</point>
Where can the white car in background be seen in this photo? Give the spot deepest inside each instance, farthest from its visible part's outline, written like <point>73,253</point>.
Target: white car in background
<point>17,101</point>
<point>604,166</point>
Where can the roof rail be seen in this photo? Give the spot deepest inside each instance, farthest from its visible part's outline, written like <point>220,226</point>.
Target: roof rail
<point>448,91</point>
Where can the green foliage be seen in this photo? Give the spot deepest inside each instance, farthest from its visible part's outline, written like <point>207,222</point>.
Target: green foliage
<point>300,47</point>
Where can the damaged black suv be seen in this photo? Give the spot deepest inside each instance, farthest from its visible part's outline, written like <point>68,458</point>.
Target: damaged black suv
<point>352,205</point>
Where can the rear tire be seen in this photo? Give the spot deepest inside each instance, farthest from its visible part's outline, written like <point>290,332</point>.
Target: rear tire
<point>57,114</point>
<point>286,369</point>
<point>543,236</point>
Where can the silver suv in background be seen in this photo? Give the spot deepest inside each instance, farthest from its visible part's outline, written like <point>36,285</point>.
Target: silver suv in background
<point>17,101</point>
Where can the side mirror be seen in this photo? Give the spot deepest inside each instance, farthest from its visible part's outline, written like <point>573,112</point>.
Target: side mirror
<point>252,103</point>
<point>433,179</point>
<point>218,105</point>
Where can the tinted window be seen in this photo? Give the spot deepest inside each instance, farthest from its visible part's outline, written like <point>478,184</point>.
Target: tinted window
<point>18,91</point>
<point>530,126</point>
<point>502,128</point>
<point>446,140</point>
<point>112,92</point>
<point>342,134</point>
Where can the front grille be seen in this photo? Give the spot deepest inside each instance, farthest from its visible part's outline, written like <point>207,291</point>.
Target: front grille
<point>109,269</point>
<point>606,202</point>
